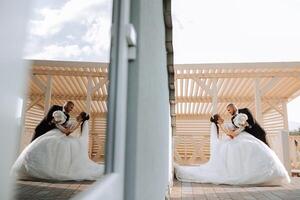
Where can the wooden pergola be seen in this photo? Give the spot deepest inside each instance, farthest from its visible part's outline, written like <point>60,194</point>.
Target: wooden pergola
<point>55,82</point>
<point>200,90</point>
<point>206,89</point>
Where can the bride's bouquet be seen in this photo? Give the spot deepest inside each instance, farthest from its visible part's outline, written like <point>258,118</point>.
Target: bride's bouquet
<point>240,120</point>
<point>59,117</point>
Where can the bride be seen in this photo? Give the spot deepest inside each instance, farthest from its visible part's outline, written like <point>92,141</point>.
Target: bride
<point>57,155</point>
<point>237,158</point>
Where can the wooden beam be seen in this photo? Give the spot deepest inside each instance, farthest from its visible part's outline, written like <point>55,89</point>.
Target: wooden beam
<point>69,97</point>
<point>62,72</point>
<point>226,66</point>
<point>274,105</point>
<point>215,97</point>
<point>89,93</point>
<point>199,99</point>
<point>101,83</point>
<point>38,83</point>
<point>285,115</point>
<point>91,137</point>
<point>269,85</point>
<point>68,64</point>
<point>48,94</point>
<point>204,86</point>
<point>258,111</point>
<point>32,103</point>
<point>197,117</point>
<point>294,74</point>
<point>100,115</point>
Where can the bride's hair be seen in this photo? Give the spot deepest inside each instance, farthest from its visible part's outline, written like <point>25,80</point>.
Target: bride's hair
<point>214,119</point>
<point>84,117</point>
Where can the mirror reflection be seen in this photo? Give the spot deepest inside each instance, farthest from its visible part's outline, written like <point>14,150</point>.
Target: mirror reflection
<point>61,149</point>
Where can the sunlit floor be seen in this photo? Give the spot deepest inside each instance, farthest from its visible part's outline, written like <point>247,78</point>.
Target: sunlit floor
<point>36,190</point>
<point>193,191</point>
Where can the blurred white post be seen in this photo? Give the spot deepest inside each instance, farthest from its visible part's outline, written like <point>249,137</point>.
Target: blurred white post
<point>89,95</point>
<point>284,154</point>
<point>48,94</point>
<point>214,97</point>
<point>258,110</point>
<point>13,81</point>
<point>285,115</point>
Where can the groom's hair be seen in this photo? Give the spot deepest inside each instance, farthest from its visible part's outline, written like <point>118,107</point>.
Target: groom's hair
<point>232,105</point>
<point>69,102</point>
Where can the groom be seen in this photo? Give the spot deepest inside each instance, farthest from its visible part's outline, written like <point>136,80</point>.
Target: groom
<point>46,124</point>
<point>254,128</point>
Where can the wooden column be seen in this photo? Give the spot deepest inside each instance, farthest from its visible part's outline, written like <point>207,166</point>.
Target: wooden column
<point>48,94</point>
<point>89,95</point>
<point>214,97</point>
<point>91,138</point>
<point>285,115</point>
<point>258,111</point>
<point>212,91</point>
<point>284,149</point>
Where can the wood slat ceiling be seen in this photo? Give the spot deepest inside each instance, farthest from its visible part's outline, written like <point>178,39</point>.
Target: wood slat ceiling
<point>235,83</point>
<point>69,82</point>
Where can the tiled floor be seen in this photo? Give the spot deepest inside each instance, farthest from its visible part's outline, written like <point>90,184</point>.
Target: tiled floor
<point>36,190</point>
<point>193,191</point>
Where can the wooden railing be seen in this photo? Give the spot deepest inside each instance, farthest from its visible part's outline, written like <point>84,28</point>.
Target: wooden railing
<point>294,144</point>
<point>189,150</point>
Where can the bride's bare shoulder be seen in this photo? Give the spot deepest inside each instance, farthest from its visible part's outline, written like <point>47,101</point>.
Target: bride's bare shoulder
<point>229,126</point>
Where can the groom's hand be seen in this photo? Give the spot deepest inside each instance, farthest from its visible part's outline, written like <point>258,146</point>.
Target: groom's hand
<point>68,133</point>
<point>231,134</point>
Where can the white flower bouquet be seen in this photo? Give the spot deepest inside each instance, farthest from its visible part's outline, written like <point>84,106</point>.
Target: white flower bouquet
<point>240,120</point>
<point>59,117</point>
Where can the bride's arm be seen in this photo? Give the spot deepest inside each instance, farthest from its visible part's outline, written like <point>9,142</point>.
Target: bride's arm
<point>64,130</point>
<point>226,130</point>
<point>234,133</point>
<point>74,127</point>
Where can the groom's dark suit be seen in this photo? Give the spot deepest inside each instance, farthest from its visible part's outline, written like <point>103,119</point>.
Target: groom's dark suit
<point>46,125</point>
<point>254,128</point>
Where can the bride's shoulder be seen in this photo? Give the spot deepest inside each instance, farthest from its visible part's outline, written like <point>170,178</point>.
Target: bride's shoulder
<point>71,123</point>
<point>229,126</point>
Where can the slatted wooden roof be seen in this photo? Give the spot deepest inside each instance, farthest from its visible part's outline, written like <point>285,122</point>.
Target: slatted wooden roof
<point>235,83</point>
<point>194,84</point>
<point>70,81</point>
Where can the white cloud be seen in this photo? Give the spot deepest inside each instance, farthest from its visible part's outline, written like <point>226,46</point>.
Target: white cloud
<point>70,37</point>
<point>79,30</point>
<point>52,20</point>
<point>55,51</point>
<point>98,34</point>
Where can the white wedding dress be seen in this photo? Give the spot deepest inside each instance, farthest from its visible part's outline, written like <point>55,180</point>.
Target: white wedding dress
<point>55,156</point>
<point>244,160</point>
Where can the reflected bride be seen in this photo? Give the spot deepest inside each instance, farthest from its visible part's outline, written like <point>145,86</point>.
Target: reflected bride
<point>57,155</point>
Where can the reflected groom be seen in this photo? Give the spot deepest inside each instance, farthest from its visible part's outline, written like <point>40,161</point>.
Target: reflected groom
<point>46,124</point>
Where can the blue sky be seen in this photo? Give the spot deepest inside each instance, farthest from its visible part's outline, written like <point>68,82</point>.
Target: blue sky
<point>214,31</point>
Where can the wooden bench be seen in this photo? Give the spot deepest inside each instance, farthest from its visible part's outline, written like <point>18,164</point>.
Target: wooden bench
<point>295,172</point>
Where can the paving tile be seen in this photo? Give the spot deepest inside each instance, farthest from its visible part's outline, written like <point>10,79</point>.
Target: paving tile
<point>195,191</point>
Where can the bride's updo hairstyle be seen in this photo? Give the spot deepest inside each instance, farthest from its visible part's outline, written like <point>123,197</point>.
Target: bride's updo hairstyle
<point>214,119</point>
<point>84,117</point>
